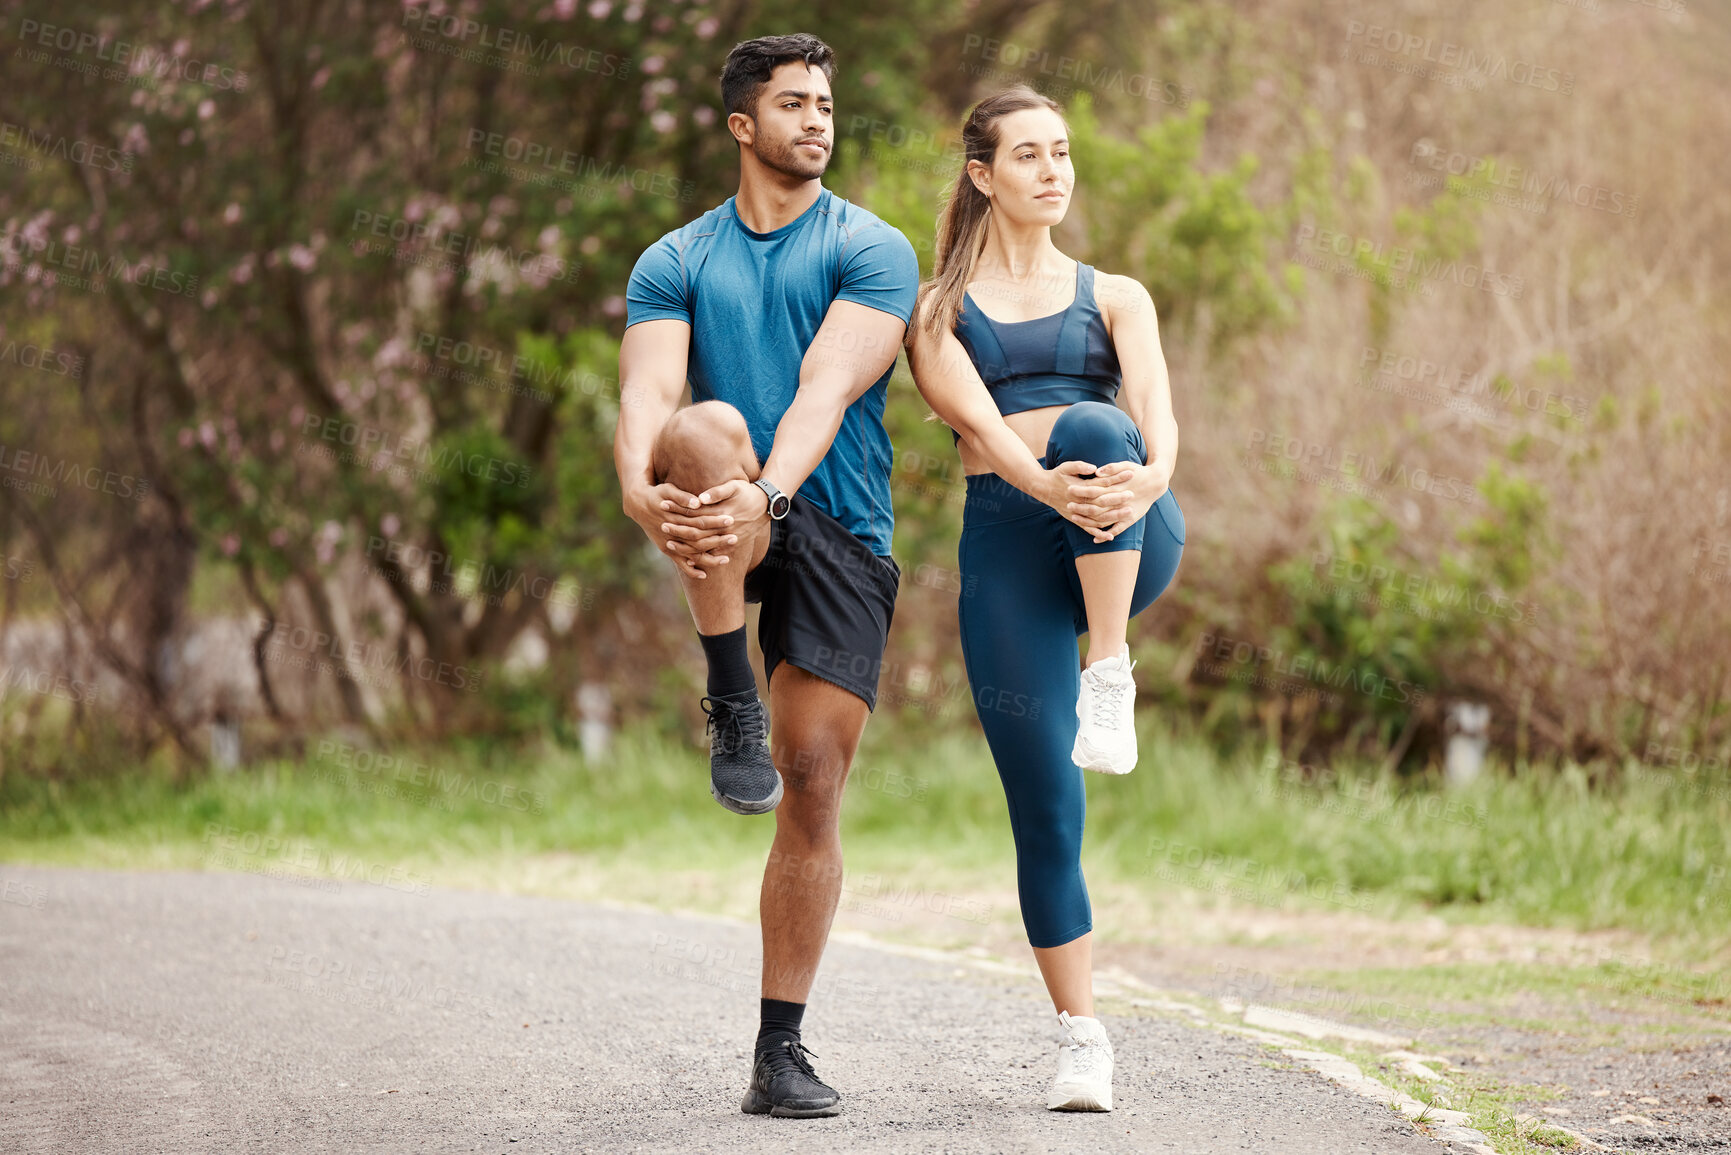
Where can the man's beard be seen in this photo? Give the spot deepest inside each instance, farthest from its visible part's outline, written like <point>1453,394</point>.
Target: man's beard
<point>786,158</point>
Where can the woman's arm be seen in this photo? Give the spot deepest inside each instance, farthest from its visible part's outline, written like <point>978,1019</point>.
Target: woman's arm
<point>951,385</point>
<point>1145,395</point>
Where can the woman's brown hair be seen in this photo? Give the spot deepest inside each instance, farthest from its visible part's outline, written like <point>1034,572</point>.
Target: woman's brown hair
<point>962,224</point>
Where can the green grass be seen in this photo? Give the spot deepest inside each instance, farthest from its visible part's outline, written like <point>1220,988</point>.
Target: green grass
<point>1539,849</point>
<point>1494,1107</point>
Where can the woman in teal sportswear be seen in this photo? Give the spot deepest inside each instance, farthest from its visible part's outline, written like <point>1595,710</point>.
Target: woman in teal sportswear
<point>1052,378</point>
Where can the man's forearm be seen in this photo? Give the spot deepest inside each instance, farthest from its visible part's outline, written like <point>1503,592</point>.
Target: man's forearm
<point>804,435</point>
<point>634,439</point>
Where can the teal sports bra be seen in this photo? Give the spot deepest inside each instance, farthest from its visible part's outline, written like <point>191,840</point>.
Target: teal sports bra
<point>1058,359</point>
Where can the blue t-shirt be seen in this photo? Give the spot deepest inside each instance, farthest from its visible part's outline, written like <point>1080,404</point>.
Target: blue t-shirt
<point>755,301</point>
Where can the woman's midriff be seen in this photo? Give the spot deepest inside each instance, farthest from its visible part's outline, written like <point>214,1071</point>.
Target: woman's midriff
<point>1033,426</point>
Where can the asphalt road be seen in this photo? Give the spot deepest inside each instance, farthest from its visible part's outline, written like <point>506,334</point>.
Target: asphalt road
<point>232,1012</point>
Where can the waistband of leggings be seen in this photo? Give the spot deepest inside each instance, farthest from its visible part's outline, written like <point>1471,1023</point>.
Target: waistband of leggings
<point>991,499</point>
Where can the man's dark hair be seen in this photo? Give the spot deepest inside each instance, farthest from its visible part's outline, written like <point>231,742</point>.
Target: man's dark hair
<point>749,64</point>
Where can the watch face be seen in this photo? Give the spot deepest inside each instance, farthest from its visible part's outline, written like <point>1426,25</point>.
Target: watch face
<point>779,505</point>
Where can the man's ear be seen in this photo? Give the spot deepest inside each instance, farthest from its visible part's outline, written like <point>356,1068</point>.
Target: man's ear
<point>743,128</point>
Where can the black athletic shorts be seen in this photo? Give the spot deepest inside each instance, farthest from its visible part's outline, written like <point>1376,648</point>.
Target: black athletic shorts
<point>827,600</point>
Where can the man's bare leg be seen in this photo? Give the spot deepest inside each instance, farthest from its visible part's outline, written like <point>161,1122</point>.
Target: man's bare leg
<point>700,447</point>
<point>817,728</point>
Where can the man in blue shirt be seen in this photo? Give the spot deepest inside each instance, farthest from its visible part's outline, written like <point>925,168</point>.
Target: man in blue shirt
<point>784,308</point>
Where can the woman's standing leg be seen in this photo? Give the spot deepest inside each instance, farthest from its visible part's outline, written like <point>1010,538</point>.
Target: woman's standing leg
<point>1018,638</point>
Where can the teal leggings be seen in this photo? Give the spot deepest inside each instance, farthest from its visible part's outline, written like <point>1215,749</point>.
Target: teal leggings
<point>1021,611</point>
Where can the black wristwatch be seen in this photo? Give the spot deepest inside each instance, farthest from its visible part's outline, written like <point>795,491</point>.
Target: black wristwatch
<point>779,502</point>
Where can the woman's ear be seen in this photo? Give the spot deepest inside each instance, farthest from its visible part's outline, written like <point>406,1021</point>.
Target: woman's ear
<point>981,174</point>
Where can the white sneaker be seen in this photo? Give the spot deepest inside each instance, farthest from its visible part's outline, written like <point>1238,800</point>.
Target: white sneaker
<point>1084,1081</point>
<point>1106,711</point>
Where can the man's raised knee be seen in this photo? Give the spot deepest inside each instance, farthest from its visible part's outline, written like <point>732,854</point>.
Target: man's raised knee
<point>710,437</point>
<point>711,425</point>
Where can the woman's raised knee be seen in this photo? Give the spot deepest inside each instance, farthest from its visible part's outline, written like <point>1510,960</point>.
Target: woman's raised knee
<point>1094,432</point>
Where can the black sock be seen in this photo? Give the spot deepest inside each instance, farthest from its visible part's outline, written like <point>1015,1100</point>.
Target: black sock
<point>729,665</point>
<point>779,1019</point>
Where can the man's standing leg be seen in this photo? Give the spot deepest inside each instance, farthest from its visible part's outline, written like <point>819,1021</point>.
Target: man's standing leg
<point>700,447</point>
<point>817,730</point>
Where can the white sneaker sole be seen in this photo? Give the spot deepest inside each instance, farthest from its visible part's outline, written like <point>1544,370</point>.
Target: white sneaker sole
<point>1105,761</point>
<point>1072,1097</point>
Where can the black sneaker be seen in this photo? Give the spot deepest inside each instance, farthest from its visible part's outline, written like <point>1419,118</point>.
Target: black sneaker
<point>783,1084</point>
<point>741,775</point>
